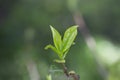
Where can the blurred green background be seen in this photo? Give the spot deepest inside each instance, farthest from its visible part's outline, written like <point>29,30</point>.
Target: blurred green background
<point>25,31</point>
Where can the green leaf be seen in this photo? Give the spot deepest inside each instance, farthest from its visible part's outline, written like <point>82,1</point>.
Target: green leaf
<point>62,46</point>
<point>51,47</point>
<point>54,49</point>
<point>64,55</point>
<point>56,38</point>
<point>69,37</point>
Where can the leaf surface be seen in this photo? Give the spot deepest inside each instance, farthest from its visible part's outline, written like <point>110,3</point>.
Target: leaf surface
<point>69,37</point>
<point>56,38</point>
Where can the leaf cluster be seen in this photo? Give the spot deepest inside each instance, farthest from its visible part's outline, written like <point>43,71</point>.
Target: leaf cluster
<point>62,46</point>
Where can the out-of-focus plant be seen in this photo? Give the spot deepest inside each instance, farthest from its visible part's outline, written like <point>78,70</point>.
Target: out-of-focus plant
<point>62,46</point>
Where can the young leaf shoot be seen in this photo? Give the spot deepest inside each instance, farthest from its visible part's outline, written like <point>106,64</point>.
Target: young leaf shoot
<point>62,46</point>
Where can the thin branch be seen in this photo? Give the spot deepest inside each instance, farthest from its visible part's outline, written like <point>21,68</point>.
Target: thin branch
<point>73,75</point>
<point>65,70</point>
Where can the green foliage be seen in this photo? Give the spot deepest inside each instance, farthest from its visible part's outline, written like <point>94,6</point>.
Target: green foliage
<point>102,18</point>
<point>62,46</point>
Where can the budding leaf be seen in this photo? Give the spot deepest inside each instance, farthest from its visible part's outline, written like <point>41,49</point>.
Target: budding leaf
<point>56,38</point>
<point>54,49</point>
<point>69,37</point>
<point>62,46</point>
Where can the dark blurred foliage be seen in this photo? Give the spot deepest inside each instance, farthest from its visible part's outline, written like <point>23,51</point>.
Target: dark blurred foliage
<point>24,32</point>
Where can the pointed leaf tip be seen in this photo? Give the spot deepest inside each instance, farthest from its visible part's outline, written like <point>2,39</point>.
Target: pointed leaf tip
<point>56,38</point>
<point>69,36</point>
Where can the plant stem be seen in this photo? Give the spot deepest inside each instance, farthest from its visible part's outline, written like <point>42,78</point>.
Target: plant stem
<point>65,70</point>
<point>74,76</point>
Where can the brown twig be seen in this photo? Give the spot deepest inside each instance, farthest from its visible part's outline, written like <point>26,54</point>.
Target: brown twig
<point>65,70</point>
<point>73,75</point>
